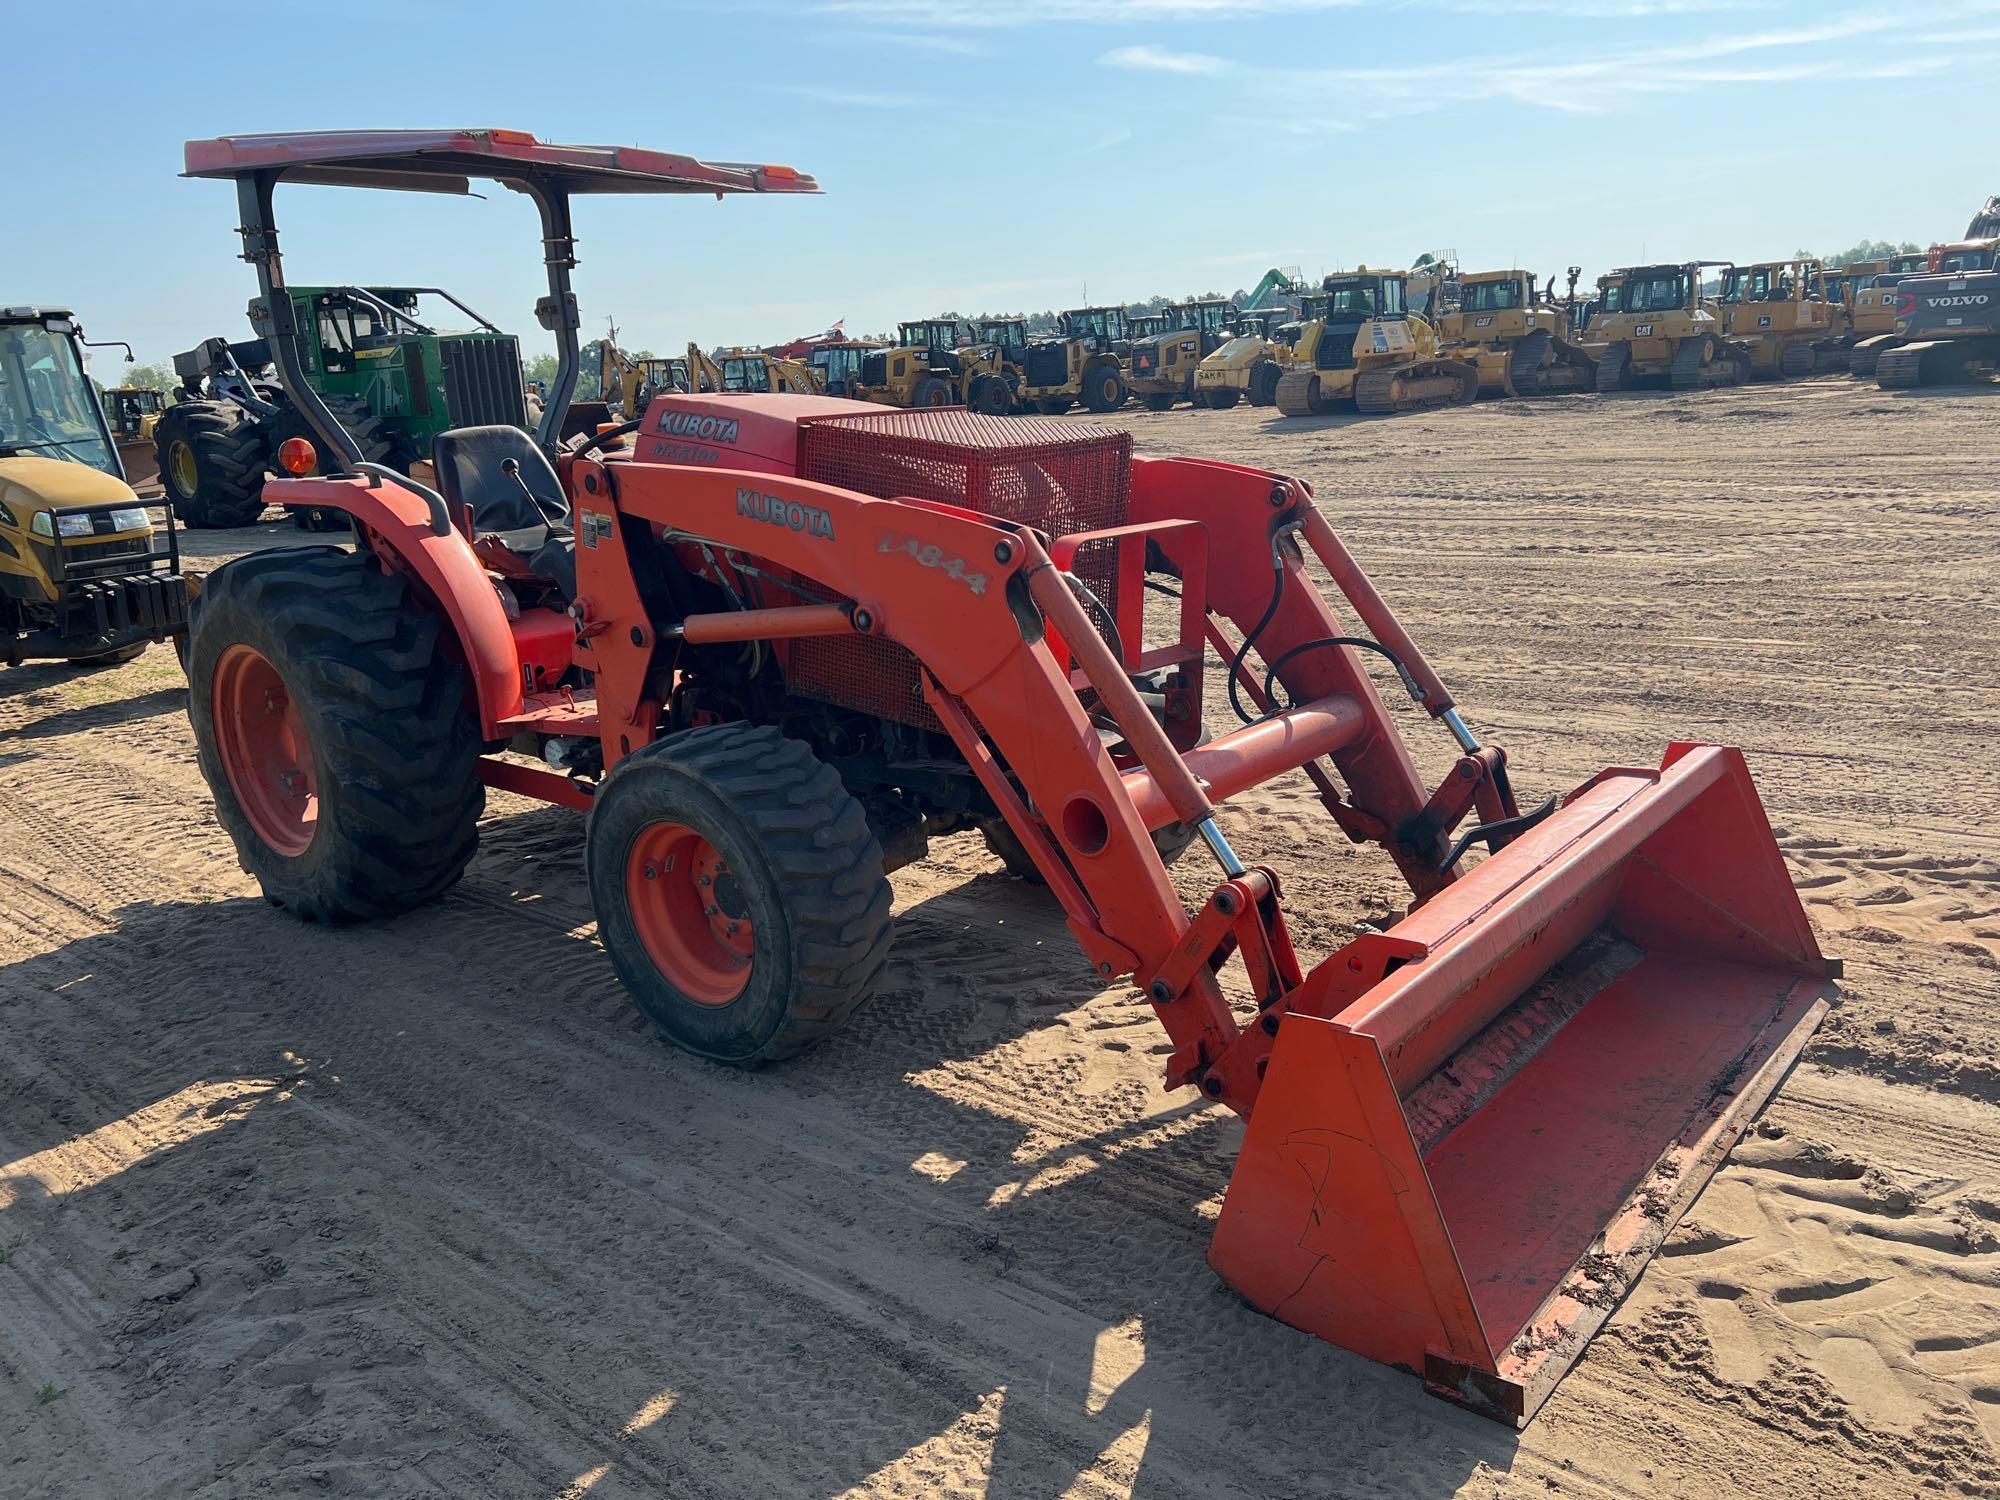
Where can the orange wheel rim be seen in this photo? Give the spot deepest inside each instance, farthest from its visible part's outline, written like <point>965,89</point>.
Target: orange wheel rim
<point>690,913</point>
<point>265,752</point>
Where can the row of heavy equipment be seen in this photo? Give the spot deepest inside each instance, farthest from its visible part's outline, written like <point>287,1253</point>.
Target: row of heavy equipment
<point>770,645</point>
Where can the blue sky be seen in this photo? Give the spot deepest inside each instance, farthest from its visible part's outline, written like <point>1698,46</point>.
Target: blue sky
<point>994,154</point>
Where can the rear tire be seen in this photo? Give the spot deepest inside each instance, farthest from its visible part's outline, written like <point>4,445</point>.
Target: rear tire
<point>212,456</point>
<point>335,733</point>
<point>788,935</point>
<point>1103,389</point>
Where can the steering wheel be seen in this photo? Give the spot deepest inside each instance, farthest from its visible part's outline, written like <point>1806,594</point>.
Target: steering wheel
<point>599,439</point>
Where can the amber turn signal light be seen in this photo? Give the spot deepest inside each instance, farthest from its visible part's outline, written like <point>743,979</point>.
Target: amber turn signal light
<point>296,456</point>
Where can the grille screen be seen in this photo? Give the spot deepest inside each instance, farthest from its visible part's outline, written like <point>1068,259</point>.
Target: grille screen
<point>483,382</point>
<point>1058,477</point>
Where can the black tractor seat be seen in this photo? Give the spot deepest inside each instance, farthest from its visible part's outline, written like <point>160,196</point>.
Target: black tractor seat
<point>514,495</point>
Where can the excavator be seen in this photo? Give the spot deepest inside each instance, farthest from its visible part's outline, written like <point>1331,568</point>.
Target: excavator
<point>1947,320</point>
<point>1368,348</point>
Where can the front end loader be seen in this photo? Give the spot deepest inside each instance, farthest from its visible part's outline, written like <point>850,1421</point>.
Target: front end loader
<point>929,366</point>
<point>1664,331</point>
<point>1517,336</point>
<point>1161,366</point>
<point>1368,349</point>
<point>770,646</point>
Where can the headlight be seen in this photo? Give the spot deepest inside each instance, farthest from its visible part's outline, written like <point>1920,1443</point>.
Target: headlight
<point>40,524</point>
<point>66,526</point>
<point>131,518</point>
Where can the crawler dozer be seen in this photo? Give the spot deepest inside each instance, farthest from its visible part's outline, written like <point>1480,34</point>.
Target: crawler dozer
<point>1368,348</point>
<point>1162,365</point>
<point>927,366</point>
<point>1778,313</point>
<point>1248,367</point>
<point>1664,332</point>
<point>1516,334</point>
<point>86,577</point>
<point>1947,321</point>
<point>769,646</point>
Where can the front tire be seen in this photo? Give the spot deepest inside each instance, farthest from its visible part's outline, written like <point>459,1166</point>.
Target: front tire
<point>335,733</point>
<point>932,390</point>
<point>212,456</point>
<point>739,892</point>
<point>1103,389</point>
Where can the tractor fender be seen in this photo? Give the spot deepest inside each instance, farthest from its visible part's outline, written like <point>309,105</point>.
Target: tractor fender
<point>397,520</point>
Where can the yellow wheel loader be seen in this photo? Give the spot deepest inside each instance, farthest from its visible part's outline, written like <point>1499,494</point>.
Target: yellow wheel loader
<point>1162,365</point>
<point>1366,347</point>
<point>928,367</point>
<point>1664,332</point>
<point>1079,364</point>
<point>1777,312</point>
<point>85,576</point>
<point>1249,366</point>
<point>1515,333</point>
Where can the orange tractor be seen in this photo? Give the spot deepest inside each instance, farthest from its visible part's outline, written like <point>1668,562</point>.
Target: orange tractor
<point>770,645</point>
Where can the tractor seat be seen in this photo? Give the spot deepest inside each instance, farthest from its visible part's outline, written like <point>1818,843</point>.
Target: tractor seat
<point>524,510</point>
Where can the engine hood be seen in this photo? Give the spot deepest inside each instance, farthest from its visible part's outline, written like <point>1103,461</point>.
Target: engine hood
<point>29,483</point>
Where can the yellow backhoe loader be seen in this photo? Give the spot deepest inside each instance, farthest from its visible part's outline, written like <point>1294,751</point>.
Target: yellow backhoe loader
<point>85,575</point>
<point>1368,348</point>
<point>1517,335</point>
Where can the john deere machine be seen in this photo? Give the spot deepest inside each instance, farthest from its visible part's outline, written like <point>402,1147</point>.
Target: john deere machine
<point>1777,312</point>
<point>768,647</point>
<point>395,382</point>
<point>85,576</point>
<point>1367,348</point>
<point>1515,332</point>
<point>927,366</point>
<point>1161,366</point>
<point>1665,332</point>
<point>1872,321</point>
<point>1250,364</point>
<point>1947,320</point>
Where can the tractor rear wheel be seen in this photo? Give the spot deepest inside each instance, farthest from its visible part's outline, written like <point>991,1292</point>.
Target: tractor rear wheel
<point>1103,389</point>
<point>335,732</point>
<point>739,891</point>
<point>212,456</point>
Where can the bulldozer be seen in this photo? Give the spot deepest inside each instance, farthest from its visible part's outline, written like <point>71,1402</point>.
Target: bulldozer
<point>927,366</point>
<point>1249,365</point>
<point>1947,320</point>
<point>1778,312</point>
<point>1517,335</point>
<point>1663,331</point>
<point>86,577</point>
<point>771,646</point>
<point>1162,365</point>
<point>1872,321</point>
<point>1368,348</point>
<point>393,379</point>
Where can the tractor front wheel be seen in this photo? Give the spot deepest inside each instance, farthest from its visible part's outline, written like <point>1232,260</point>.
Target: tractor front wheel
<point>335,731</point>
<point>739,892</point>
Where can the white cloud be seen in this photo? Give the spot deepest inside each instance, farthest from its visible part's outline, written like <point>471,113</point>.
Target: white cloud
<point>990,14</point>
<point>1159,60</point>
<point>860,98</point>
<point>1118,135</point>
<point>957,46</point>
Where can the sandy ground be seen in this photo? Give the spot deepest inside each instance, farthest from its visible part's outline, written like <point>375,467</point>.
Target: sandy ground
<point>424,1209</point>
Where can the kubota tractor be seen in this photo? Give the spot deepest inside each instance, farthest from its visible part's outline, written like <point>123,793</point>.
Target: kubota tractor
<point>769,645</point>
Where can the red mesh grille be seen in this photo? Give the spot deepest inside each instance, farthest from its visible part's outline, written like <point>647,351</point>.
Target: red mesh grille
<point>1059,477</point>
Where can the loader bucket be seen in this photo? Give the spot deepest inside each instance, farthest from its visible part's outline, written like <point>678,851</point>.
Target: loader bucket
<point>1475,1129</point>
